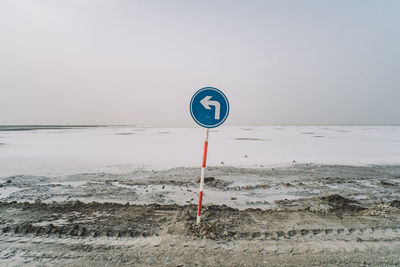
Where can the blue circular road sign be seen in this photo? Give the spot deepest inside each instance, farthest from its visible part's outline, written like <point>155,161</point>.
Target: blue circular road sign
<point>209,107</point>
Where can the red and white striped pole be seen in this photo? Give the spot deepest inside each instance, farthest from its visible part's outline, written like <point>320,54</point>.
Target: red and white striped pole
<point>203,168</point>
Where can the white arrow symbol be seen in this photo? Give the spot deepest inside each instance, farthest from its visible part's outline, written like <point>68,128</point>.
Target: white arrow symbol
<point>207,103</point>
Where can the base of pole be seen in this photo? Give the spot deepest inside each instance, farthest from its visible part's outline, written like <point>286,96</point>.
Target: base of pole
<point>198,220</point>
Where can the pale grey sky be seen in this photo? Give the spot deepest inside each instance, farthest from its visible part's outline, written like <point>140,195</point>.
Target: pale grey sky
<point>139,62</point>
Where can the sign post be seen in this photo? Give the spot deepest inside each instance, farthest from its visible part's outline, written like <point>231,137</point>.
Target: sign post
<point>209,108</point>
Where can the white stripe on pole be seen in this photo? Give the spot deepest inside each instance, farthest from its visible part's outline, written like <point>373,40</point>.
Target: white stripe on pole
<point>202,178</point>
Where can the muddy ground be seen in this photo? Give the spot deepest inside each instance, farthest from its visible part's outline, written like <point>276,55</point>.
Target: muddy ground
<point>317,215</point>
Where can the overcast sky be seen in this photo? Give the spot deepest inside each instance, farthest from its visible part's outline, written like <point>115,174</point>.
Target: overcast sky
<point>139,62</point>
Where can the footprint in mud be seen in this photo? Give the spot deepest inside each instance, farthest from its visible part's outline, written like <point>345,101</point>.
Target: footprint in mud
<point>328,231</point>
<point>280,234</point>
<point>316,231</point>
<point>351,231</point>
<point>304,232</point>
<point>292,233</point>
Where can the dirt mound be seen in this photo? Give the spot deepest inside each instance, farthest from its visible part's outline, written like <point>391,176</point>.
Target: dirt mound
<point>213,182</point>
<point>341,204</point>
<point>212,230</point>
<point>218,222</point>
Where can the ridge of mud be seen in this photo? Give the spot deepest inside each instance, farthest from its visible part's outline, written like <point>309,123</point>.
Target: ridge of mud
<point>209,181</point>
<point>127,220</point>
<point>326,204</point>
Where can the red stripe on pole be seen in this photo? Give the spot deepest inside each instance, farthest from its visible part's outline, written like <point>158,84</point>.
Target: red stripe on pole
<point>202,177</point>
<point>205,154</point>
<point>200,200</point>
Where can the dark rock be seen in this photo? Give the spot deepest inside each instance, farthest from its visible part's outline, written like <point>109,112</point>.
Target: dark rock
<point>395,203</point>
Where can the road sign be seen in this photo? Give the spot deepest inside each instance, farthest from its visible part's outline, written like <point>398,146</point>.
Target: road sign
<point>209,107</point>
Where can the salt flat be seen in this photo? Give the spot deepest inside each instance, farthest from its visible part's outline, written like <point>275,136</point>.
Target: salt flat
<point>279,195</point>
<point>123,149</point>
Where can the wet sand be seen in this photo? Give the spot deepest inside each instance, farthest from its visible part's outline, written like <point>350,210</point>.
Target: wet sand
<point>319,215</point>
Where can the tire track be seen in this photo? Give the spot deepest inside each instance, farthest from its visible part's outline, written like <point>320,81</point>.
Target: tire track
<point>359,234</point>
